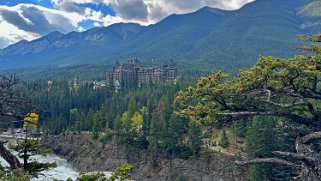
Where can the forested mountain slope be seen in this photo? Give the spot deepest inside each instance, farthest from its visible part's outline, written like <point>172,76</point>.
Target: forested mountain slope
<point>221,39</point>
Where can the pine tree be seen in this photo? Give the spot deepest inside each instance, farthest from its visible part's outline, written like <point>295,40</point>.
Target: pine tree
<point>273,87</point>
<point>257,173</point>
<point>131,106</point>
<point>117,125</point>
<point>95,128</point>
<point>194,135</point>
<point>240,127</point>
<point>145,126</point>
<point>153,147</point>
<point>126,122</point>
<point>284,142</point>
<point>263,137</point>
<point>29,147</point>
<point>224,140</point>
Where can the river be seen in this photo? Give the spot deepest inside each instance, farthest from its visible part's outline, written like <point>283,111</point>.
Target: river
<point>63,171</point>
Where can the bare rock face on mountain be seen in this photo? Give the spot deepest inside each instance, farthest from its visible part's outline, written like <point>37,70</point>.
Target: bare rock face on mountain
<point>222,39</point>
<point>86,154</point>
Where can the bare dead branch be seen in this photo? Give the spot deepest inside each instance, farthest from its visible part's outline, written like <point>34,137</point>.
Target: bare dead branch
<point>296,157</point>
<point>284,105</point>
<point>293,117</point>
<point>311,137</point>
<point>300,131</point>
<point>246,113</point>
<point>268,160</point>
<point>17,116</point>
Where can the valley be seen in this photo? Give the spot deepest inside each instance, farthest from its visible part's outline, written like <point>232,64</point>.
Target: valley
<point>228,94</point>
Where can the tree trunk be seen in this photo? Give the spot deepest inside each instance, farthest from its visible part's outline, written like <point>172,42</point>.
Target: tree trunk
<point>25,159</point>
<point>310,174</point>
<point>9,157</point>
<point>25,153</point>
<point>306,161</point>
<point>310,171</point>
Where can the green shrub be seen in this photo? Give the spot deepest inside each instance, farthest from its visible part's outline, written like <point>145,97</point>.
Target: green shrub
<point>93,177</point>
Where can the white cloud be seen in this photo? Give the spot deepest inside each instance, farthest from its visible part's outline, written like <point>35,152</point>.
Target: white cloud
<point>93,15</point>
<point>31,14</point>
<point>96,24</point>
<point>144,11</point>
<point>29,21</point>
<point>152,11</point>
<point>159,9</point>
<point>10,34</point>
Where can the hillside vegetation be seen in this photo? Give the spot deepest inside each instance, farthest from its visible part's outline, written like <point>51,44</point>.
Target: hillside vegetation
<point>210,37</point>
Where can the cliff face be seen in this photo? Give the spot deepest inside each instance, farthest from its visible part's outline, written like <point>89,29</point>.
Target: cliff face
<point>86,154</point>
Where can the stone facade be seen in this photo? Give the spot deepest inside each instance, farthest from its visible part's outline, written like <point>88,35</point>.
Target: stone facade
<point>133,74</point>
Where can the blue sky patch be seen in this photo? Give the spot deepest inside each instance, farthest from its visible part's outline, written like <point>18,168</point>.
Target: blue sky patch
<point>44,3</point>
<point>87,24</point>
<point>98,7</point>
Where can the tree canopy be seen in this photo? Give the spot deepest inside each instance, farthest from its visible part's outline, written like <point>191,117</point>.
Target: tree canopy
<point>289,89</point>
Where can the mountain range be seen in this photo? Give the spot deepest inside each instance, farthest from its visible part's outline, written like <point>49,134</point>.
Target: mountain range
<point>217,38</point>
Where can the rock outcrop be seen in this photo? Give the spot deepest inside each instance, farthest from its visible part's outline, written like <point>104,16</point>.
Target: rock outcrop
<point>86,154</point>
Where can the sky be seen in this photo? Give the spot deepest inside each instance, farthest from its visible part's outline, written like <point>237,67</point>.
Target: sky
<point>31,19</point>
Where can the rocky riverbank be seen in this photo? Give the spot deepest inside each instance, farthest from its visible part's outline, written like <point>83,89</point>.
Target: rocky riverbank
<point>86,155</point>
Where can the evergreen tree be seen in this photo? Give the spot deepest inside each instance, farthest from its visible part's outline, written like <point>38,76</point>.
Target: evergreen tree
<point>224,140</point>
<point>131,106</point>
<point>95,128</point>
<point>170,140</point>
<point>240,127</point>
<point>262,138</point>
<point>284,142</point>
<point>145,126</point>
<point>126,122</point>
<point>195,135</point>
<point>274,87</point>
<point>118,128</point>
<point>29,147</point>
<point>106,121</point>
<point>153,147</point>
<point>257,173</point>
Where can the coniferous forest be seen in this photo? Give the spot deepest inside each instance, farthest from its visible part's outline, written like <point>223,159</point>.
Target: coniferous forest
<point>256,120</point>
<point>267,116</point>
